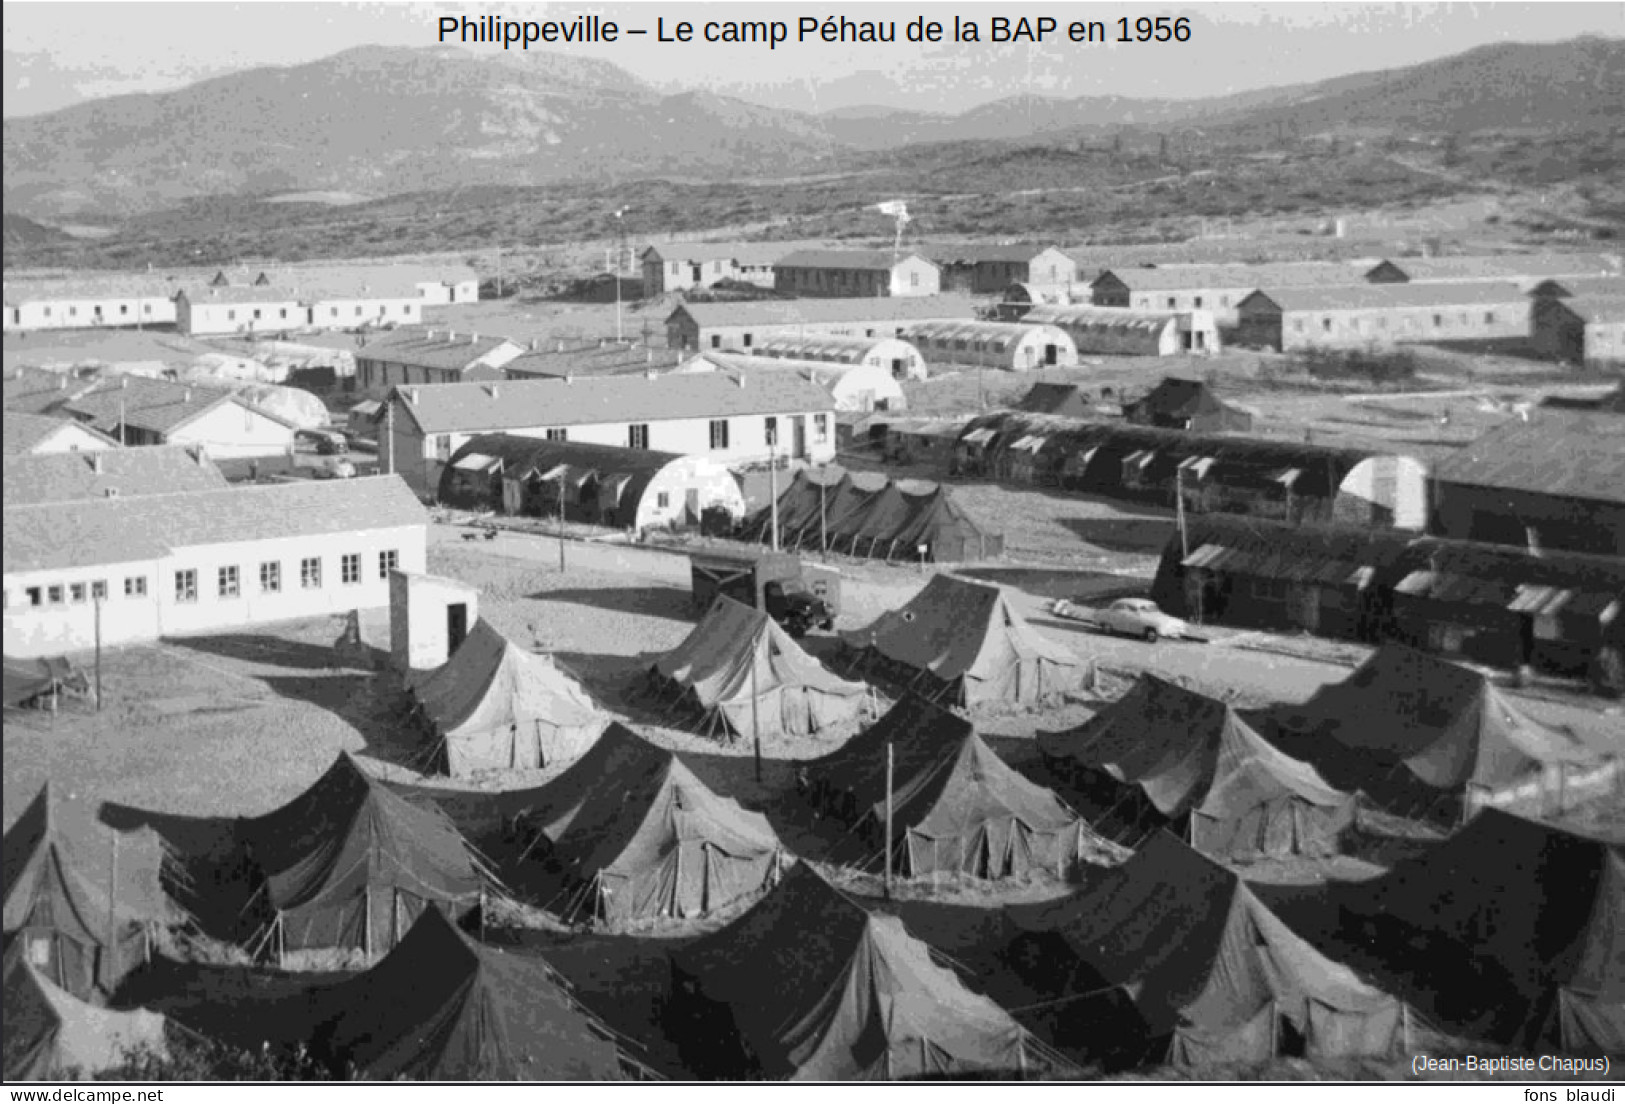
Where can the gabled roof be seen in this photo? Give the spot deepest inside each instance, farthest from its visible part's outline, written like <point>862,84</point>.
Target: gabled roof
<point>82,286</point>
<point>1507,266</point>
<point>612,359</point>
<point>23,433</point>
<point>1391,296</point>
<point>1570,454</point>
<point>1606,287</point>
<point>107,473</point>
<point>227,295</point>
<point>158,405</point>
<point>973,253</point>
<point>746,254</point>
<point>1180,398</point>
<point>444,349</point>
<point>366,281</point>
<point>791,313</point>
<point>525,404</point>
<point>1083,316</point>
<point>1196,277</point>
<point>1595,309</point>
<point>1057,398</point>
<point>40,391</point>
<point>147,527</point>
<point>874,260</point>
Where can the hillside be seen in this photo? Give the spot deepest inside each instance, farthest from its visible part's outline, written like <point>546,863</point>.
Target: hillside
<point>20,231</point>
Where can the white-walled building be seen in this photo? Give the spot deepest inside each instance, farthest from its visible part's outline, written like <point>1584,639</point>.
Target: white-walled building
<point>1010,346</point>
<point>214,309</point>
<point>40,435</point>
<point>732,420</point>
<point>1124,332</point>
<point>861,273</point>
<point>850,386</point>
<point>203,561</point>
<point>697,326</point>
<point>138,410</point>
<point>989,269</point>
<point>89,301</point>
<point>431,356</point>
<point>677,266</point>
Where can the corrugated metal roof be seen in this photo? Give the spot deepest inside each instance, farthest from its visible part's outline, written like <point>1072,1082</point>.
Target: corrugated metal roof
<point>1509,266</point>
<point>873,260</point>
<point>124,530</point>
<point>158,405</point>
<point>1100,318</point>
<point>787,314</point>
<point>203,296</point>
<point>449,350</point>
<point>1380,296</point>
<point>1234,277</point>
<point>1594,309</point>
<point>745,254</point>
<point>113,472</point>
<point>974,253</point>
<point>1557,452</point>
<point>529,404</point>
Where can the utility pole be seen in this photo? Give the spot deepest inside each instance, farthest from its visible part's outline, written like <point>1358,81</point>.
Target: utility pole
<point>561,521</point>
<point>389,433</point>
<point>112,915</point>
<point>823,527</point>
<point>889,769</point>
<point>1179,512</point>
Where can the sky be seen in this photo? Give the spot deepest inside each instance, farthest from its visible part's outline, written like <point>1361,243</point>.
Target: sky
<point>60,53</point>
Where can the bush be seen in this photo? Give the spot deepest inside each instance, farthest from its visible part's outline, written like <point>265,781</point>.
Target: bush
<point>1375,365</point>
<point>192,1058</point>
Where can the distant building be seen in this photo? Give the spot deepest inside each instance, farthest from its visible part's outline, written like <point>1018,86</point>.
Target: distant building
<point>430,356</point>
<point>860,273</point>
<point>1525,269</point>
<point>42,391</point>
<point>137,410</point>
<point>108,473</point>
<point>202,561</point>
<point>394,281</point>
<point>1378,315</point>
<point>1187,404</point>
<point>1216,288</point>
<point>990,269</point>
<point>1017,299</point>
<point>1587,287</point>
<point>850,386</point>
<point>1556,481</point>
<point>1119,331</point>
<point>238,310</point>
<point>678,266</point>
<point>619,487</point>
<point>696,326</point>
<point>731,420</point>
<point>1588,331</point>
<point>39,434</point>
<point>1009,346</point>
<point>605,358</point>
<point>89,301</point>
<point>894,354</point>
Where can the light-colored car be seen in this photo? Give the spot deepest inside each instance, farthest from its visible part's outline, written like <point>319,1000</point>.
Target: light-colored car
<point>1129,616</point>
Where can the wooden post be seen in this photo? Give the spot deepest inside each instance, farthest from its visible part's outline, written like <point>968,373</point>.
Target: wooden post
<point>889,769</point>
<point>99,657</point>
<point>1179,512</point>
<point>755,719</point>
<point>823,528</point>
<point>773,487</point>
<point>112,916</point>
<point>389,434</point>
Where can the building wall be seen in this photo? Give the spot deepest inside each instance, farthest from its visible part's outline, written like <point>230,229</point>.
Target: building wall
<point>1498,515</point>
<point>1165,340</point>
<point>378,373</point>
<point>911,276</point>
<point>418,626</point>
<point>71,437</point>
<point>90,312</point>
<point>1392,325</point>
<point>70,625</point>
<point>1030,349</point>
<point>1051,267</point>
<point>684,333</point>
<point>665,498</point>
<point>338,314</point>
<point>1604,344</point>
<point>205,317</point>
<point>233,430</point>
<point>437,292</point>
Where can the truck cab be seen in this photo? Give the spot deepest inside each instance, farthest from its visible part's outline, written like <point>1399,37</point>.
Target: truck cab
<point>800,597</point>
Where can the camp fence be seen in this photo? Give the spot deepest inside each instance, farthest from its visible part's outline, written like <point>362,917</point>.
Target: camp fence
<point>866,514</point>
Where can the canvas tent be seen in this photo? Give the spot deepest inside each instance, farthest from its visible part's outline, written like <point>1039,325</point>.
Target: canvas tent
<point>1171,958</point>
<point>956,806</point>
<point>1513,930</point>
<point>639,837</point>
<point>1419,734</point>
<point>441,1008</point>
<point>494,705</point>
<point>351,864</point>
<point>1200,767</point>
<point>809,985</point>
<point>59,867</point>
<point>863,514</point>
<point>737,654</point>
<point>51,1035</point>
<point>1186,404</point>
<point>961,643</point>
<point>28,680</point>
<point>1067,399</point>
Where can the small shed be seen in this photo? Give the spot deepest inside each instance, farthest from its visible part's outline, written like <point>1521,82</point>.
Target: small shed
<point>1011,346</point>
<point>1187,404</point>
<point>429,616</point>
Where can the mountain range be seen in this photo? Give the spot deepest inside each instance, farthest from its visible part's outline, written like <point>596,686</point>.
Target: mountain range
<point>385,121</point>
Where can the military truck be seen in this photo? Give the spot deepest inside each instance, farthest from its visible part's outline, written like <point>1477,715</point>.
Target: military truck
<point>800,597</point>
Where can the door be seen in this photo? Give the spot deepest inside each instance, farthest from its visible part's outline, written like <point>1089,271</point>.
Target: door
<point>691,506</point>
<point>1052,355</point>
<point>798,428</point>
<point>456,626</point>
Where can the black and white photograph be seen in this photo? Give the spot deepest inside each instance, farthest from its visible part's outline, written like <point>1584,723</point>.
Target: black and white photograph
<point>697,541</point>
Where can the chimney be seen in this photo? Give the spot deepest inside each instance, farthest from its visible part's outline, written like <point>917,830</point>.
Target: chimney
<point>492,388</point>
<point>561,344</point>
<point>474,339</point>
<point>1531,536</point>
<point>451,335</point>
<point>533,344</point>
<point>96,462</point>
<point>740,379</point>
<point>412,395</point>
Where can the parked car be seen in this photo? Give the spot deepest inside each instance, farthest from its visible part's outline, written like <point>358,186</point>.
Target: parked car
<point>1127,616</point>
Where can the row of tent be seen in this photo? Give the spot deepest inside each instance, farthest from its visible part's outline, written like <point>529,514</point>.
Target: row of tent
<point>870,514</point>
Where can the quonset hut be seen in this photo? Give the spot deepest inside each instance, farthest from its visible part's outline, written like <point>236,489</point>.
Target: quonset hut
<point>1008,346</point>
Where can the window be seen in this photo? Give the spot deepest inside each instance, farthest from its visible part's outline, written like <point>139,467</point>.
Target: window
<point>73,312</point>
<point>558,435</point>
<point>271,577</point>
<point>333,312</point>
<point>146,309</point>
<point>76,592</point>
<point>913,279</point>
<point>135,586</point>
<point>36,597</point>
<point>662,499</point>
<point>1197,301</point>
<point>770,427</point>
<point>719,433</point>
<point>310,572</point>
<point>53,594</point>
<point>350,568</point>
<point>186,586</point>
<point>231,316</point>
<point>821,428</point>
<point>1438,320</point>
<point>283,313</point>
<point>1297,325</point>
<point>1489,316</point>
<point>716,341</point>
<point>747,341</point>
<point>1326,325</point>
<point>124,308</point>
<point>1173,301</point>
<point>47,312</point>
<point>256,314</point>
<point>388,561</point>
<point>1224,300</point>
<point>637,436</point>
<point>231,583</point>
<point>98,590</point>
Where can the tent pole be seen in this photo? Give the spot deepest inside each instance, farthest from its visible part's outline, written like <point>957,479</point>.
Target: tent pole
<point>755,721</point>
<point>112,897</point>
<point>889,769</point>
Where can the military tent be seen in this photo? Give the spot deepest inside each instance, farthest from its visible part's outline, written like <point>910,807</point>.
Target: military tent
<point>441,1008</point>
<point>1419,734</point>
<point>638,837</point>
<point>809,985</point>
<point>1067,399</point>
<point>956,806</point>
<point>1171,958</point>
<point>736,655</point>
<point>59,869</point>
<point>1186,404</point>
<point>961,642</point>
<point>1202,768</point>
<point>51,1035</point>
<point>494,705</point>
<point>351,864</point>
<point>865,515</point>
<point>1513,930</point>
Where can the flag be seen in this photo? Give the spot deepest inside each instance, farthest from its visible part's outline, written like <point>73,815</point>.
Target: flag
<point>894,207</point>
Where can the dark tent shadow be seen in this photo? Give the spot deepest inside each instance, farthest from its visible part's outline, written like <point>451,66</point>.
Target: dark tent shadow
<point>1087,586</point>
<point>270,650</point>
<point>672,603</point>
<point>1146,535</point>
